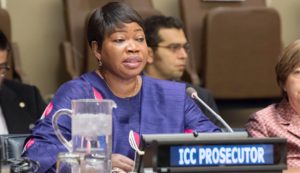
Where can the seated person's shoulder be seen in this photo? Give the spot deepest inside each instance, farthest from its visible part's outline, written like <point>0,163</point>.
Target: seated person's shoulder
<point>74,86</point>
<point>77,88</point>
<point>29,94</point>
<point>266,112</point>
<point>18,86</point>
<point>164,88</point>
<point>163,83</point>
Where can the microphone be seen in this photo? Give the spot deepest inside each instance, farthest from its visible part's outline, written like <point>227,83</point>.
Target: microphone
<point>193,93</point>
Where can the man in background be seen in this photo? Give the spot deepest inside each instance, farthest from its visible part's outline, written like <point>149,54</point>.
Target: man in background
<point>168,53</point>
<point>20,105</point>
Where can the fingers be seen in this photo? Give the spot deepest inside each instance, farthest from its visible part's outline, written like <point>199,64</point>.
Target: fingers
<point>117,170</point>
<point>122,162</point>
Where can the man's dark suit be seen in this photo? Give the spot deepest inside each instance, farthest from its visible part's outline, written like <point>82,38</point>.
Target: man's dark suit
<point>21,105</point>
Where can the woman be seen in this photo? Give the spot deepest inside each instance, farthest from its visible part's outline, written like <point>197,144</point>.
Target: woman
<point>283,119</point>
<point>116,36</point>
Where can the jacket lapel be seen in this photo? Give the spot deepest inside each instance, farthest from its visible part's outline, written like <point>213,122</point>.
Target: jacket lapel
<point>289,118</point>
<point>14,111</point>
<point>293,126</point>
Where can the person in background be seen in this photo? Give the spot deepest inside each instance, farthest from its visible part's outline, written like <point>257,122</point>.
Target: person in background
<point>283,119</point>
<point>169,50</point>
<point>145,105</point>
<point>20,105</point>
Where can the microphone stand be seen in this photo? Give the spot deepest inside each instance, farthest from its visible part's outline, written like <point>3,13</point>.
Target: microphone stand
<point>194,95</point>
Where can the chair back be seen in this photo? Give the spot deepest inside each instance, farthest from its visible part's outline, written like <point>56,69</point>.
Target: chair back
<point>241,53</point>
<point>235,46</point>
<point>193,14</point>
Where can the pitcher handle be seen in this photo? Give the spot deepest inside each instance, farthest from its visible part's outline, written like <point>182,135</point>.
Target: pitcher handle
<point>57,131</point>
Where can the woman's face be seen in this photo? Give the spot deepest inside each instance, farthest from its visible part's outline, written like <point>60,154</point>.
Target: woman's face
<point>292,87</point>
<point>124,52</point>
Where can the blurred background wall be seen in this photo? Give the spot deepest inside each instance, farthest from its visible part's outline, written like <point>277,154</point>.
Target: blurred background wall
<point>289,12</point>
<point>38,28</point>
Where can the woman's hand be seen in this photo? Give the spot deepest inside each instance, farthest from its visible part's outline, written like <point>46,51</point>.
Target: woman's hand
<point>121,163</point>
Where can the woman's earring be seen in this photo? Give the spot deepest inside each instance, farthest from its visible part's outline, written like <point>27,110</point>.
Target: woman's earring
<point>99,63</point>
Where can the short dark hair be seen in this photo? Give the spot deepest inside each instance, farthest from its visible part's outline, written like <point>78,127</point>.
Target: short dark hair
<point>4,43</point>
<point>155,23</point>
<point>103,21</point>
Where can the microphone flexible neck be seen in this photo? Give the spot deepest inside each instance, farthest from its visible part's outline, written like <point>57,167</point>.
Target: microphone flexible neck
<point>195,96</point>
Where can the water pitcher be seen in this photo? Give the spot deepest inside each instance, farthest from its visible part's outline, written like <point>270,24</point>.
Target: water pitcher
<point>91,129</point>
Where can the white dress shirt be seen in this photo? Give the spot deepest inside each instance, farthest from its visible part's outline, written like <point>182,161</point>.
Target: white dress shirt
<point>3,127</point>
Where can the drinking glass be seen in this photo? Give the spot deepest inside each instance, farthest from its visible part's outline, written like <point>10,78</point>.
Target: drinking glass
<point>94,163</point>
<point>68,163</point>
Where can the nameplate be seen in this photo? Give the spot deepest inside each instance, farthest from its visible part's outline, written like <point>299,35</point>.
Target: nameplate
<point>211,152</point>
<point>211,155</point>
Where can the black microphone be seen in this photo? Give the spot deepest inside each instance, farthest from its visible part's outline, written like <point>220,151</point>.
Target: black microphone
<point>193,93</point>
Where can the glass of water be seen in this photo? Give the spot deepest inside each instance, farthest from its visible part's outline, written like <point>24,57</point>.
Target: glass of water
<point>95,163</point>
<point>68,162</point>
